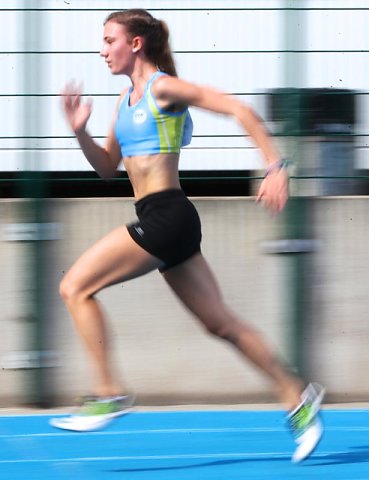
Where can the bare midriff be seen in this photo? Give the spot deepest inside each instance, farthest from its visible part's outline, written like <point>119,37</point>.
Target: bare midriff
<point>152,173</point>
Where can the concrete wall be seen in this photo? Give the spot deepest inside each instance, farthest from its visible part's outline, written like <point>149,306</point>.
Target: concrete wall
<point>160,350</point>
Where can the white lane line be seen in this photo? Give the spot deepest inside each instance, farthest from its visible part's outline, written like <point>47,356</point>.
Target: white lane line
<point>217,456</point>
<point>201,456</point>
<point>144,431</point>
<point>174,431</point>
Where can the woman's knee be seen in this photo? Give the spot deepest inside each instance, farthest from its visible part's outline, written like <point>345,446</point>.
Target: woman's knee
<point>70,290</point>
<point>220,329</point>
<point>220,323</point>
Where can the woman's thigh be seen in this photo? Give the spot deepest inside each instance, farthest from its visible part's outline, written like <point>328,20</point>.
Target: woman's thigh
<point>194,283</point>
<point>114,258</point>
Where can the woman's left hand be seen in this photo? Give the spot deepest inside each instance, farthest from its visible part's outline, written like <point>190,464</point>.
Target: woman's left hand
<point>273,191</point>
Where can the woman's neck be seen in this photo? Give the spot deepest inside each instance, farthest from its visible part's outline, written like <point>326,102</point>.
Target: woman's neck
<point>141,75</point>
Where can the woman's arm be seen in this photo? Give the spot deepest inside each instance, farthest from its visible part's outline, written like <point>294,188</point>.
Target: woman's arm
<point>104,160</point>
<point>170,90</point>
<point>173,90</point>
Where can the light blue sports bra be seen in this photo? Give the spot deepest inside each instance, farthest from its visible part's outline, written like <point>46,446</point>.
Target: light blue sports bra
<point>145,128</point>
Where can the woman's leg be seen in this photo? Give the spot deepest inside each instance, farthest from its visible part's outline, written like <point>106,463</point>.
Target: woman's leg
<point>113,259</point>
<point>195,285</point>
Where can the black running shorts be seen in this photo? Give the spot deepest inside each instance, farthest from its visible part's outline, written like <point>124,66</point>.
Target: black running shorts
<point>168,227</point>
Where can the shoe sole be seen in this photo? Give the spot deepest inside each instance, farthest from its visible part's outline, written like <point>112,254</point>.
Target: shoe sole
<point>308,442</point>
<point>85,423</point>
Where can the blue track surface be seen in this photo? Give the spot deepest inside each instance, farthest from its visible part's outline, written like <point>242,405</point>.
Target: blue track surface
<point>194,445</point>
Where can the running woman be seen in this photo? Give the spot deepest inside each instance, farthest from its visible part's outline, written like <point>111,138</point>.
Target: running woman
<point>151,123</point>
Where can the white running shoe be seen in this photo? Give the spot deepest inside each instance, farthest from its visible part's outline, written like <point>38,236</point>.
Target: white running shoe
<point>95,413</point>
<point>304,422</point>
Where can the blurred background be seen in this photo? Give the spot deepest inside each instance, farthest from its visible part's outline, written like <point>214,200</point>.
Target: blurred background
<point>301,277</point>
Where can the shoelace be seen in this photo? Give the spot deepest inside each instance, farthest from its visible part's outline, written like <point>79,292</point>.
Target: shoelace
<point>302,418</point>
<point>96,407</point>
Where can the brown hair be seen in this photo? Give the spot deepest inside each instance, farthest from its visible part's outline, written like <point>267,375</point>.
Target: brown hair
<point>139,22</point>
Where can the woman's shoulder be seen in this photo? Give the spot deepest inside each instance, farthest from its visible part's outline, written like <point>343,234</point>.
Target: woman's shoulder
<point>123,93</point>
<point>121,97</point>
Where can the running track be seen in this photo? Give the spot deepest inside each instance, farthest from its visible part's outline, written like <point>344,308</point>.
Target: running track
<point>185,445</point>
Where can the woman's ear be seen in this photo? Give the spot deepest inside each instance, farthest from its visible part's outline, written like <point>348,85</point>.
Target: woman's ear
<point>137,44</point>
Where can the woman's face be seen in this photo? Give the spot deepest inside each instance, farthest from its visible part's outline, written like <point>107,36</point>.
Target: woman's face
<point>117,49</point>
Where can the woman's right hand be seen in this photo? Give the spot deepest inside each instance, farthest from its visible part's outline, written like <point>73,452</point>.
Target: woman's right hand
<point>76,111</point>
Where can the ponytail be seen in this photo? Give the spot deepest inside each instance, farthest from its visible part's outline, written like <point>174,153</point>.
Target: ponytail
<point>157,48</point>
<point>139,22</point>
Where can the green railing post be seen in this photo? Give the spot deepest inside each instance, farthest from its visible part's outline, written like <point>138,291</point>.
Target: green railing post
<point>33,230</point>
<point>299,274</point>
<point>297,212</point>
